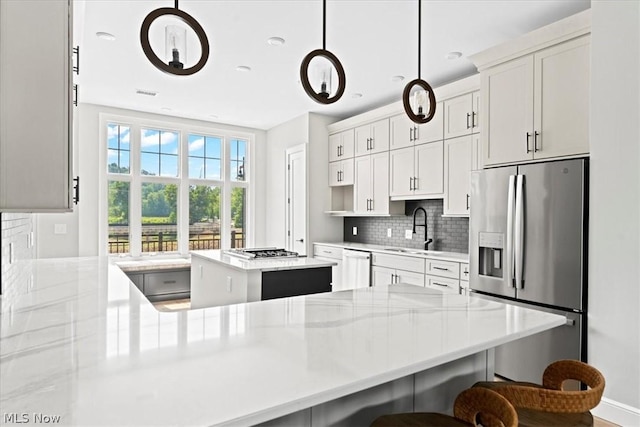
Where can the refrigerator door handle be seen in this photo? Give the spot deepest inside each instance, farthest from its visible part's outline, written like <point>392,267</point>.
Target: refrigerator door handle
<point>519,231</point>
<point>509,254</point>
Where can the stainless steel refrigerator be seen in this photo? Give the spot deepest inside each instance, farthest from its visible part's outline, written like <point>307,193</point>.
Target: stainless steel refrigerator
<point>528,246</point>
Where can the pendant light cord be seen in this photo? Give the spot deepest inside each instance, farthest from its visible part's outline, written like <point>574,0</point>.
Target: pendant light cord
<point>176,4</point>
<point>324,24</point>
<point>419,34</point>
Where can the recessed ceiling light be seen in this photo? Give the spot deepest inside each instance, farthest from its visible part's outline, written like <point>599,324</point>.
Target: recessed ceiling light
<point>105,36</point>
<point>243,68</point>
<point>146,92</point>
<point>356,95</point>
<point>453,55</point>
<point>275,41</point>
<point>397,78</point>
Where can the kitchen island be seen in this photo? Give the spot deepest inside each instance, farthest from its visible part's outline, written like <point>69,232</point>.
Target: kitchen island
<point>80,342</point>
<point>221,279</point>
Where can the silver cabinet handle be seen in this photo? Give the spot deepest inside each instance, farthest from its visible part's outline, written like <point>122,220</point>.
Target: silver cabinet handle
<point>527,142</point>
<point>411,134</point>
<point>468,116</point>
<point>473,119</point>
<point>76,52</point>
<point>75,95</point>
<point>416,132</point>
<point>169,282</point>
<point>372,204</point>
<point>536,134</point>
<point>440,268</point>
<point>415,183</point>
<point>300,240</point>
<point>468,197</point>
<point>410,183</point>
<point>440,284</point>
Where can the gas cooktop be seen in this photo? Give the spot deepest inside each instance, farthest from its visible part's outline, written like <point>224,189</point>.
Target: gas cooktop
<point>261,253</point>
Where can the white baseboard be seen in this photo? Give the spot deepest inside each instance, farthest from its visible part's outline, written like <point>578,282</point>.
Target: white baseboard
<point>616,412</point>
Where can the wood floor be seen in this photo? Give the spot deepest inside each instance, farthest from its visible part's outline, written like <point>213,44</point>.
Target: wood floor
<point>185,304</point>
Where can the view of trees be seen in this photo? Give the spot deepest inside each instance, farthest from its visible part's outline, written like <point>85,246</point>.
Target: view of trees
<point>160,202</point>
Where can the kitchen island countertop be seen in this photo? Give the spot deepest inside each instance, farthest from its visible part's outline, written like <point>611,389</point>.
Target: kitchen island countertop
<point>81,342</point>
<point>261,264</point>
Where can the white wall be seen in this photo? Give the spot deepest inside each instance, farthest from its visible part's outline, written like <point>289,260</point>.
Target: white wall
<point>614,246</point>
<point>82,226</point>
<point>310,129</point>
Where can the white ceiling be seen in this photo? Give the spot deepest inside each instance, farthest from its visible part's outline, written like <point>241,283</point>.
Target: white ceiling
<point>374,40</point>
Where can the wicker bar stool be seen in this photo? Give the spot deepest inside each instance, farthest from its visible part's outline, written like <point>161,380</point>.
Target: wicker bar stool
<point>466,408</point>
<point>548,404</point>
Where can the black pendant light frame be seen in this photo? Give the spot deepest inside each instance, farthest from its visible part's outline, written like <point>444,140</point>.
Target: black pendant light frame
<point>304,67</point>
<point>406,94</point>
<point>187,19</point>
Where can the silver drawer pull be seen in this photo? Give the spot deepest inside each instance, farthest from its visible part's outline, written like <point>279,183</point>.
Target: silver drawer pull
<point>440,268</point>
<point>326,252</point>
<point>440,284</point>
<point>167,282</point>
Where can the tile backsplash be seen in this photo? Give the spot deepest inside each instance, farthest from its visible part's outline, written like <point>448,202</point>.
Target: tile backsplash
<point>17,245</point>
<point>449,234</point>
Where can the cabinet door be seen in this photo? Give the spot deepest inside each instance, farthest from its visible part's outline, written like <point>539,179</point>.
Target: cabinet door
<point>507,120</point>
<point>35,106</point>
<point>362,139</point>
<point>476,152</point>
<point>401,130</point>
<point>379,137</point>
<point>382,275</point>
<point>429,167</point>
<point>348,143</point>
<point>457,157</point>
<point>410,278</point>
<point>362,185</point>
<point>562,99</point>
<point>335,143</point>
<point>401,174</point>
<point>380,183</point>
<point>347,172</point>
<point>432,131</point>
<point>458,116</point>
<point>475,112</point>
<point>335,174</point>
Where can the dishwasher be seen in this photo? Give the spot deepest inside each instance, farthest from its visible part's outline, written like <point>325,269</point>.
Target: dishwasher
<point>356,269</point>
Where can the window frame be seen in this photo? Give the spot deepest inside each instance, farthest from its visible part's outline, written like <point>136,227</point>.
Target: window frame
<point>184,128</point>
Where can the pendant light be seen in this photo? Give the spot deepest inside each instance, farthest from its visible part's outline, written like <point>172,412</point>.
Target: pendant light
<point>324,75</point>
<point>175,42</point>
<point>424,100</point>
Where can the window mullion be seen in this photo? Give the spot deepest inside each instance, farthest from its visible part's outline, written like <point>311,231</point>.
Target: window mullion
<point>135,193</point>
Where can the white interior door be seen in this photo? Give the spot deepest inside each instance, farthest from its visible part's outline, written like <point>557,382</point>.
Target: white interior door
<point>296,218</point>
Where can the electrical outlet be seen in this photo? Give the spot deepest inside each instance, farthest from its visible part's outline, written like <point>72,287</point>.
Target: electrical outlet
<point>388,232</point>
<point>408,234</point>
<point>355,231</point>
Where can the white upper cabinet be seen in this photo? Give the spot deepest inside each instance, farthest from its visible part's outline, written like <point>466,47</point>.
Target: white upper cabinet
<point>405,133</point>
<point>371,186</point>
<point>458,164</point>
<point>341,173</point>
<point>372,138</point>
<point>417,172</point>
<point>537,106</point>
<point>35,106</point>
<point>341,145</point>
<point>461,115</point>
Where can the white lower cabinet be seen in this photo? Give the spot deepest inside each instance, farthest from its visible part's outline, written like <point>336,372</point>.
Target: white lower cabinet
<point>391,269</point>
<point>444,284</point>
<point>331,253</point>
<point>443,275</point>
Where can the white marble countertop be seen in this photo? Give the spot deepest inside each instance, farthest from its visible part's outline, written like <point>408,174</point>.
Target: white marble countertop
<point>149,264</point>
<point>80,341</point>
<point>395,250</point>
<point>262,264</point>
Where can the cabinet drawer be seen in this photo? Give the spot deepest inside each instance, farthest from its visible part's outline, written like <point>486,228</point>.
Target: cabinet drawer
<point>167,282</point>
<point>327,252</point>
<point>399,262</point>
<point>443,268</point>
<point>444,284</point>
<point>464,271</point>
<point>410,278</point>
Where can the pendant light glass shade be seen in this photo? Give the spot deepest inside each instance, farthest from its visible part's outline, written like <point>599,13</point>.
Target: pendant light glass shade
<point>418,98</point>
<point>321,73</point>
<point>175,42</point>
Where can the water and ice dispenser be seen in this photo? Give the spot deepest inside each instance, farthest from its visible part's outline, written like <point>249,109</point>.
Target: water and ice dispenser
<point>491,256</point>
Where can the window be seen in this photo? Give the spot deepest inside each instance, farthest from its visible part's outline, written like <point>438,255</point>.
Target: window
<point>173,188</point>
